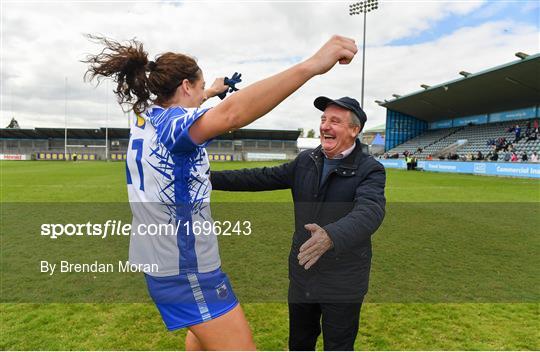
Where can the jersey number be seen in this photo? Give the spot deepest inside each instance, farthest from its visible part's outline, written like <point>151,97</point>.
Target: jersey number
<point>137,144</point>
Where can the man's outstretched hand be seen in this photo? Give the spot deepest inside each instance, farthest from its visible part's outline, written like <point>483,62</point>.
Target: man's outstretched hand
<point>315,247</point>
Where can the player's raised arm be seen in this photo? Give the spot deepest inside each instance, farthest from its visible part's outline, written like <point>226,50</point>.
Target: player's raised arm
<point>256,100</point>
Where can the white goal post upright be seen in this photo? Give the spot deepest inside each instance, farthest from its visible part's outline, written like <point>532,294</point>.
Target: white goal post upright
<point>65,119</point>
<point>83,146</point>
<point>107,122</point>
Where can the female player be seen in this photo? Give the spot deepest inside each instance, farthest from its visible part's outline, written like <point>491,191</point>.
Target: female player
<point>168,176</point>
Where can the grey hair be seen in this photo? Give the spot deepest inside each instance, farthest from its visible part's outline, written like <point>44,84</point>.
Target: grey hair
<point>355,121</point>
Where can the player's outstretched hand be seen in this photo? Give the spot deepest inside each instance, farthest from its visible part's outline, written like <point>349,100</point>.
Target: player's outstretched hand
<point>337,49</point>
<point>218,87</point>
<point>236,78</point>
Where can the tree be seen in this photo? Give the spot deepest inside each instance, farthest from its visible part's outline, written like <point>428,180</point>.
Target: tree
<point>311,133</point>
<point>13,123</point>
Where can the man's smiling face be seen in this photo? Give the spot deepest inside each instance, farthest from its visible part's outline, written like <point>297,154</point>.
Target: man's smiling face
<point>337,130</point>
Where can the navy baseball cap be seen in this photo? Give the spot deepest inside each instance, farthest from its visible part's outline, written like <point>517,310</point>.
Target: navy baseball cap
<point>346,102</point>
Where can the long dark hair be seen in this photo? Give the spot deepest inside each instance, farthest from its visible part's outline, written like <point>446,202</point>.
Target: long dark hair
<point>140,82</point>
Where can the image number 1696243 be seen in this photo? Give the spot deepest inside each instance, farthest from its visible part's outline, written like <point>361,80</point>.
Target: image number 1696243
<point>223,228</point>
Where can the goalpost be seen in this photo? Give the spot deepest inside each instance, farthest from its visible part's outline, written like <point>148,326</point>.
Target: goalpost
<point>81,146</point>
<point>71,149</point>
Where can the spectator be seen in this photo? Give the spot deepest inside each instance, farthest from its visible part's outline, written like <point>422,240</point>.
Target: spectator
<point>507,156</point>
<point>479,156</point>
<point>429,157</point>
<point>494,156</point>
<point>514,157</point>
<point>517,131</point>
<point>501,143</point>
<point>533,135</point>
<point>524,157</point>
<point>509,147</point>
<point>333,289</point>
<point>534,157</point>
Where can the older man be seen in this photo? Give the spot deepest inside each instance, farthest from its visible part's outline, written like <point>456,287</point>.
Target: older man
<point>338,194</point>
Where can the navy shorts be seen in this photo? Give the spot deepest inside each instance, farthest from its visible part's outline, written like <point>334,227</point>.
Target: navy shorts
<point>193,298</point>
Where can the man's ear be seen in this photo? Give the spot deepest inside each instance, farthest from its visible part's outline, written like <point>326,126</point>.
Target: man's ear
<point>356,130</point>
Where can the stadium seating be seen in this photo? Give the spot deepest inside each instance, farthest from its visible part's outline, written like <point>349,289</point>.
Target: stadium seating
<point>49,144</point>
<point>477,136</point>
<point>432,139</point>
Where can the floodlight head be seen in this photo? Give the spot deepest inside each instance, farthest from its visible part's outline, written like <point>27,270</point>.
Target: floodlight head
<point>425,86</point>
<point>522,55</point>
<point>379,102</point>
<point>465,73</point>
<point>397,96</point>
<point>356,8</point>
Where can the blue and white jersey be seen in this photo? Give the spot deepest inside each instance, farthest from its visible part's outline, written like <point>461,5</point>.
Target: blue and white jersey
<point>168,185</point>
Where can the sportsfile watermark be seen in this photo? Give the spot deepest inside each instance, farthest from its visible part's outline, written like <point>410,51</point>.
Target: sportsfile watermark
<point>119,228</point>
<point>422,253</point>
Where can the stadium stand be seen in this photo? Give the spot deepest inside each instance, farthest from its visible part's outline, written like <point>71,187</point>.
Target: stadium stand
<point>89,144</point>
<point>468,115</point>
<point>475,139</point>
<point>429,141</point>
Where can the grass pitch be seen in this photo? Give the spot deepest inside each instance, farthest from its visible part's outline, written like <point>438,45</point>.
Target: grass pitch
<point>455,265</point>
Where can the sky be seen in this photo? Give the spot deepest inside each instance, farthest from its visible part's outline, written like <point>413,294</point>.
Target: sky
<point>408,43</point>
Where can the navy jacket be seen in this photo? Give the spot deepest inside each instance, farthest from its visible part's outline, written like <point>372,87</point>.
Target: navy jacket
<point>349,205</point>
